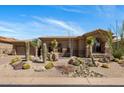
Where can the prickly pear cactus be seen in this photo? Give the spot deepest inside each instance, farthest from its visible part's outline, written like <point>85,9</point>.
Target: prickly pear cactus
<point>44,52</point>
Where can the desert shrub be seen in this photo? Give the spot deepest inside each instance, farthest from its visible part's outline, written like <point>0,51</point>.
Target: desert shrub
<point>50,65</point>
<point>117,54</point>
<point>105,66</point>
<point>14,60</point>
<point>26,66</point>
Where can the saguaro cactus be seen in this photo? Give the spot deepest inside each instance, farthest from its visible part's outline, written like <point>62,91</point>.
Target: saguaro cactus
<point>27,44</point>
<point>44,52</point>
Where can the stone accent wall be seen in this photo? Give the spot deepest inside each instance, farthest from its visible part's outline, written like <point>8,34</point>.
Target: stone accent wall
<point>5,48</point>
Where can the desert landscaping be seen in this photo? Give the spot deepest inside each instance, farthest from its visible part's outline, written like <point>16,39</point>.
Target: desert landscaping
<point>51,69</point>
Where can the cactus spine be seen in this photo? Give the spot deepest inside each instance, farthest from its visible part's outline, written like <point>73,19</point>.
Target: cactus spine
<point>44,52</point>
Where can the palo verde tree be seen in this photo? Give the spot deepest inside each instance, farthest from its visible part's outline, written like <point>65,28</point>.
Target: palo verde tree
<point>54,45</point>
<point>90,41</point>
<point>36,43</point>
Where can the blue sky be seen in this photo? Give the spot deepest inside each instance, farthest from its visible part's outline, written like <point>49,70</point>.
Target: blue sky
<point>27,22</point>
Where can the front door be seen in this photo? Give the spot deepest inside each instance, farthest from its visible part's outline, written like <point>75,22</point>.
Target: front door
<point>97,46</point>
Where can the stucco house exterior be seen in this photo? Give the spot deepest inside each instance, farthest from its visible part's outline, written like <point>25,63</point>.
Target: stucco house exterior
<point>76,45</point>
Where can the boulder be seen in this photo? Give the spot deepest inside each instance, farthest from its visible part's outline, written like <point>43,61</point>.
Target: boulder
<point>89,62</point>
<point>18,65</point>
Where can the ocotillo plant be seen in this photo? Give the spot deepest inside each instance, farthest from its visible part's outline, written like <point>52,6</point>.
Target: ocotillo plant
<point>44,52</point>
<point>27,44</point>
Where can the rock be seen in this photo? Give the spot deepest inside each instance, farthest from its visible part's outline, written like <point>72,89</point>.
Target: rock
<point>37,60</point>
<point>18,66</point>
<point>55,56</point>
<point>122,57</point>
<point>75,61</point>
<point>104,60</point>
<point>121,62</point>
<point>71,61</point>
<point>105,66</point>
<point>89,62</point>
<point>116,60</point>
<point>109,57</point>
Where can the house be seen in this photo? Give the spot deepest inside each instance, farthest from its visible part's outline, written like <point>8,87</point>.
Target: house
<point>6,45</point>
<point>75,45</point>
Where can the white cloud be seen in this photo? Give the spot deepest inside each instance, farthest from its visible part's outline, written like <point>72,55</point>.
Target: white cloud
<point>74,9</point>
<point>107,11</point>
<point>5,29</point>
<point>71,27</point>
<point>38,27</point>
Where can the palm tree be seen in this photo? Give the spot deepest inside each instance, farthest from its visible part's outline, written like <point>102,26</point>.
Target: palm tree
<point>36,43</point>
<point>90,41</point>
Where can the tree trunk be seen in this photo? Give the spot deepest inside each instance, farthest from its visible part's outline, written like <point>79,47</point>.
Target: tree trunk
<point>91,55</point>
<point>90,51</point>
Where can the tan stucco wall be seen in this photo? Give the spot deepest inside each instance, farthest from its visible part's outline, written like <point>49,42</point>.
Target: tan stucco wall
<point>5,48</point>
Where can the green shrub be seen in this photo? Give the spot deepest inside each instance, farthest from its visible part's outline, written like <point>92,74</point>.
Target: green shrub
<point>14,60</point>
<point>50,65</point>
<point>117,54</point>
<point>26,66</point>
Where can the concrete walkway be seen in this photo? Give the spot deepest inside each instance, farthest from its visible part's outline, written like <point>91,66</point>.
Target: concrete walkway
<point>60,81</point>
